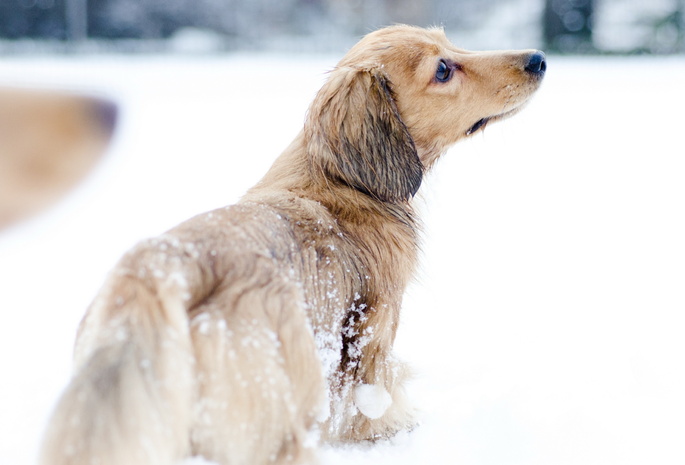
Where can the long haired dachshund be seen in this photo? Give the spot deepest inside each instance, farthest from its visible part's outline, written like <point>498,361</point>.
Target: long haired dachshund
<point>247,334</point>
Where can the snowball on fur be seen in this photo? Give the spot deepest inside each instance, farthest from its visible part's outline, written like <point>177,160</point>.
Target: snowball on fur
<point>372,400</point>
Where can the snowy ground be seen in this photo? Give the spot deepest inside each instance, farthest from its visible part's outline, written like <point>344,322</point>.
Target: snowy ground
<point>548,322</point>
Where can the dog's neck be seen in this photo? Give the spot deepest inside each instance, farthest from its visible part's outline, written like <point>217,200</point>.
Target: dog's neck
<point>381,230</point>
<point>292,172</point>
<point>430,153</point>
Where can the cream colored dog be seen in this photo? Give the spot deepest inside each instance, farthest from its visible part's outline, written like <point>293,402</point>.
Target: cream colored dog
<point>247,332</point>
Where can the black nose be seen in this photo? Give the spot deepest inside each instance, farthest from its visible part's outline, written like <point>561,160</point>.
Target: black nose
<point>537,63</point>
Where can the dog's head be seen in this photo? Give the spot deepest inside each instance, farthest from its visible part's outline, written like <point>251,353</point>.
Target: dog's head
<point>49,141</point>
<point>401,97</point>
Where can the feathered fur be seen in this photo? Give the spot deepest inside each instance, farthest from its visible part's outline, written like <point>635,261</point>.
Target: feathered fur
<point>245,332</point>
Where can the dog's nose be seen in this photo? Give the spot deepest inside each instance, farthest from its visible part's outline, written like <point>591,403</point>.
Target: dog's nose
<point>105,113</point>
<point>537,63</point>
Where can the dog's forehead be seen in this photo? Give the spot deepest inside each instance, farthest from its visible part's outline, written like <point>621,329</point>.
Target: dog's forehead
<point>398,45</point>
<point>399,35</point>
<point>410,50</point>
<point>413,41</point>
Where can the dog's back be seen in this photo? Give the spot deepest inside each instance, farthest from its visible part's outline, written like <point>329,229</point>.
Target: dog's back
<point>170,360</point>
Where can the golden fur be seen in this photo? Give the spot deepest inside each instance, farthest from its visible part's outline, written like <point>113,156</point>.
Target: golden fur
<point>246,333</point>
<point>48,142</point>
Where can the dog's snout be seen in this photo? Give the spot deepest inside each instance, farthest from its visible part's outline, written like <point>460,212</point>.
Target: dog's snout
<point>537,63</point>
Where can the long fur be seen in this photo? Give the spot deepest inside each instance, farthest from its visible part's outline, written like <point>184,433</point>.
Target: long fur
<point>247,333</point>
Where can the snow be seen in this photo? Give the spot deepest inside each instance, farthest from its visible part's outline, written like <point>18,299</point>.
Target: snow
<point>546,324</point>
<point>372,400</point>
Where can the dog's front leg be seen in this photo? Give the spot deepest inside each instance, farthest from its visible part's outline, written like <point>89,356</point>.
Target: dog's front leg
<point>376,399</point>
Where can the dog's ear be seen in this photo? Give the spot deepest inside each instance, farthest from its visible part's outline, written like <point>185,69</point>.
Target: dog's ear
<point>355,136</point>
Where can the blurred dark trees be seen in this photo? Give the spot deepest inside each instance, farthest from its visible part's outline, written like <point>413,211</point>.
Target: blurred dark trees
<point>150,19</point>
<point>33,18</point>
<point>566,26</point>
<point>146,19</point>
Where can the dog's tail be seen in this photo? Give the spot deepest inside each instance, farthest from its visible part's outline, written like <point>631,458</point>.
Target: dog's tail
<point>129,401</point>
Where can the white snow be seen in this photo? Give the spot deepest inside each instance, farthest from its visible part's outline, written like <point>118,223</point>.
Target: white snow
<point>372,400</point>
<point>546,325</point>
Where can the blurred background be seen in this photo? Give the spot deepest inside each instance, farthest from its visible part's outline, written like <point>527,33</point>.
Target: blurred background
<point>566,26</point>
<point>546,326</point>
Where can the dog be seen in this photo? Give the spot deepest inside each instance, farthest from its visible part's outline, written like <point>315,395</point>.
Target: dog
<point>49,142</point>
<point>249,334</point>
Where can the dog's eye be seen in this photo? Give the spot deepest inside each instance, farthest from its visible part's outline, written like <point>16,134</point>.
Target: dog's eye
<point>444,72</point>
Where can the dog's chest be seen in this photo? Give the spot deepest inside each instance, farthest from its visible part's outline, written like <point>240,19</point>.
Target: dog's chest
<point>345,278</point>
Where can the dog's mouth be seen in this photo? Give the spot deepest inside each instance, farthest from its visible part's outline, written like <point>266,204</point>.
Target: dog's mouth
<point>481,123</point>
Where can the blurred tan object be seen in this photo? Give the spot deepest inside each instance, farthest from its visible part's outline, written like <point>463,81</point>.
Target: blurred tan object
<point>49,141</point>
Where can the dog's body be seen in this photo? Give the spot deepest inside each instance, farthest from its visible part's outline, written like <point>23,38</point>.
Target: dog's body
<point>243,331</point>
